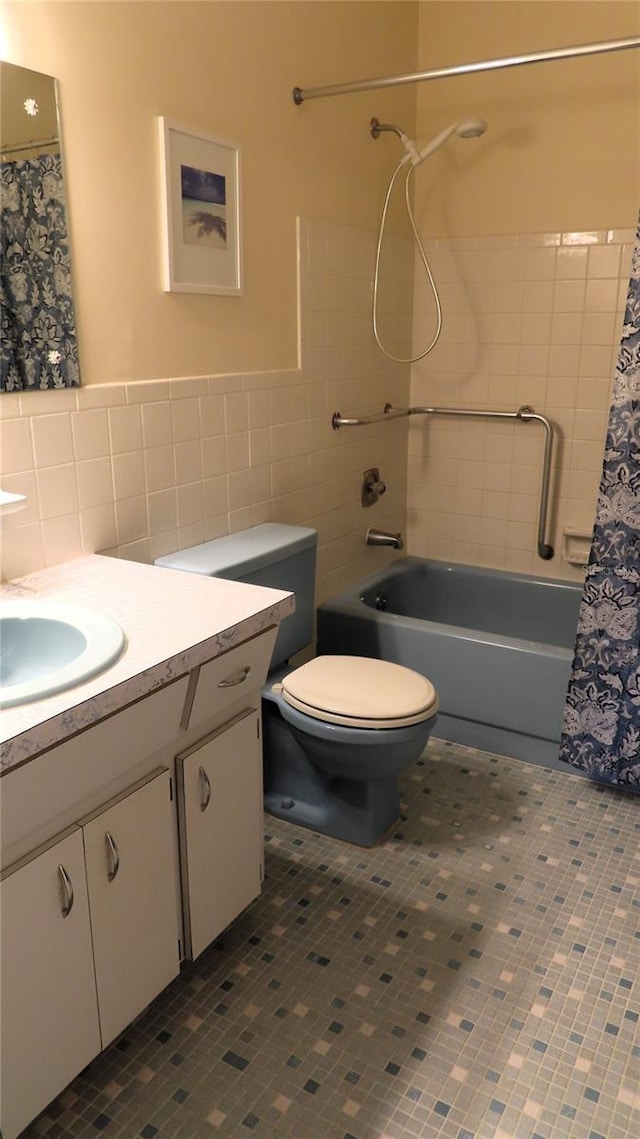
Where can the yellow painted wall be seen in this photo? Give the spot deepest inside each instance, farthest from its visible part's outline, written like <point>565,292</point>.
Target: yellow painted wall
<point>563,147</point>
<point>227,68</point>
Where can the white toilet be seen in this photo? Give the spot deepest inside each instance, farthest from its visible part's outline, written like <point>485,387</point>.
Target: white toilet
<point>338,729</point>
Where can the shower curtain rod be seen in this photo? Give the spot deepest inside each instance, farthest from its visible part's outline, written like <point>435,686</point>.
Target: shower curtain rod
<point>36,142</point>
<point>524,414</point>
<point>302,93</point>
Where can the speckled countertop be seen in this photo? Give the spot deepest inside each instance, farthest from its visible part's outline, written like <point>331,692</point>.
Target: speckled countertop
<point>173,621</point>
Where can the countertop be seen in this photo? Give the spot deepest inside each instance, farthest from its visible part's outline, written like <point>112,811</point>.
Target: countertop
<point>173,621</point>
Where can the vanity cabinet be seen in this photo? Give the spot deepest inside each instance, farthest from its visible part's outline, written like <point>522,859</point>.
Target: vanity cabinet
<point>90,937</point>
<point>146,828</point>
<point>220,823</point>
<point>50,1027</point>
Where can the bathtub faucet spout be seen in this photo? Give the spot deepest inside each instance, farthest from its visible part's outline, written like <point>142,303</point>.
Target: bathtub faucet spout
<point>384,538</point>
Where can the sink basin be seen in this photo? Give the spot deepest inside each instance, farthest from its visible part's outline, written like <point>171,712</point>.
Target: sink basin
<point>48,647</point>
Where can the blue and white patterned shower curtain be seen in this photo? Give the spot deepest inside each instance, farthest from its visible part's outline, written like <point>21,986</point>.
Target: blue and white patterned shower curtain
<point>601,733</point>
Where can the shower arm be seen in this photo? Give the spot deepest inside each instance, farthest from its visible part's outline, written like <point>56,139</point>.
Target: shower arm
<point>525,414</point>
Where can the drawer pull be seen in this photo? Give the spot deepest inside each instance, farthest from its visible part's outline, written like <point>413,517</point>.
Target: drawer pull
<point>236,678</point>
<point>113,856</point>
<point>205,787</point>
<point>67,891</point>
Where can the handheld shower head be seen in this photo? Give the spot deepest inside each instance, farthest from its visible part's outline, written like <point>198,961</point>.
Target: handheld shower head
<point>471,128</point>
<point>413,157</point>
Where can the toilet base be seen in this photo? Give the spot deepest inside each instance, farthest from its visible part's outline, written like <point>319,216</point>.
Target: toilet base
<point>364,820</point>
<point>295,789</point>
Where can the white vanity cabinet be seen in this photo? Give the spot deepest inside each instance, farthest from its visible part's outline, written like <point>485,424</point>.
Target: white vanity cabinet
<point>89,938</point>
<point>220,821</point>
<point>137,834</point>
<point>50,1027</point>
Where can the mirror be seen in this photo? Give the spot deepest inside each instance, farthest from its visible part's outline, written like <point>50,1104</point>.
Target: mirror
<point>39,345</point>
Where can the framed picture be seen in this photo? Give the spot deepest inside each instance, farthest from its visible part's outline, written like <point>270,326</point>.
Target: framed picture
<point>201,211</point>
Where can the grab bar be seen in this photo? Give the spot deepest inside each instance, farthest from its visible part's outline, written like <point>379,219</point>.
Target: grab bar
<point>390,412</point>
<point>525,413</point>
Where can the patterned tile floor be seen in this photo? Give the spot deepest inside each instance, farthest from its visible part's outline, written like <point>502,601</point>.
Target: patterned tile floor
<point>475,977</point>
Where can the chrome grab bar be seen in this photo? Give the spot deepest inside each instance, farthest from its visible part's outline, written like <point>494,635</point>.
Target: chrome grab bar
<point>525,413</point>
<point>338,420</point>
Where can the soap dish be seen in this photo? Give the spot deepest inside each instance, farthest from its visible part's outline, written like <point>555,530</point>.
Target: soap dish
<point>576,546</point>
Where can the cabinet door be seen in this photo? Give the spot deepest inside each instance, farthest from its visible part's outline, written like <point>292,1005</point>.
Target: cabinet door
<point>132,896</point>
<point>220,812</point>
<point>49,1016</point>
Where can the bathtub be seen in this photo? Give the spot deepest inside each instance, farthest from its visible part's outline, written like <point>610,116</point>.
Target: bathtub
<point>497,646</point>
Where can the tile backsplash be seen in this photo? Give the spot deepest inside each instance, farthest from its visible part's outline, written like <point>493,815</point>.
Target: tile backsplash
<point>528,319</point>
<point>143,468</point>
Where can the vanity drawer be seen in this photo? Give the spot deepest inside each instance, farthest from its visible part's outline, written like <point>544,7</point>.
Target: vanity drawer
<point>224,681</point>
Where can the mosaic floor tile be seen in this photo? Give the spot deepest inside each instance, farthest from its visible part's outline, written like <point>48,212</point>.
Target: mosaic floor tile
<point>474,977</point>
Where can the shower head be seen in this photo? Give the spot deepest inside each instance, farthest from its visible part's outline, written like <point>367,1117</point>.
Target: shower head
<point>471,128</point>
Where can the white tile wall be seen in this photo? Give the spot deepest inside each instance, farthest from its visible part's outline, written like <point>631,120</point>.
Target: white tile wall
<point>530,318</point>
<point>142,469</point>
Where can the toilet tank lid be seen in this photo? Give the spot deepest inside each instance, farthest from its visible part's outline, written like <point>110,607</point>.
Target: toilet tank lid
<point>242,553</point>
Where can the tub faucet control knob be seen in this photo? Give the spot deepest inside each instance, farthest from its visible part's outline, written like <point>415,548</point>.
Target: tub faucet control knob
<point>372,486</point>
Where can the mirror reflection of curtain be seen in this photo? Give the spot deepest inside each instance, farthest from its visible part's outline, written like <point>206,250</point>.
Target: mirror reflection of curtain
<point>602,715</point>
<point>39,346</point>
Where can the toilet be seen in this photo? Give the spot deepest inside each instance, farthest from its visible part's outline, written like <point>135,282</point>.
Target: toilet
<point>337,730</point>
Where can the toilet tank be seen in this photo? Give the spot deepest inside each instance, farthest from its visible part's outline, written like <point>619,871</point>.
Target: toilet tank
<point>274,555</point>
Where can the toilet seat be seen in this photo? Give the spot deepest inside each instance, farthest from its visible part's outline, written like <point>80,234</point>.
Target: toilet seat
<point>360,692</point>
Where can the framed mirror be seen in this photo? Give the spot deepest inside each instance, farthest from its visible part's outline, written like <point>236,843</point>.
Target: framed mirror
<point>39,348</point>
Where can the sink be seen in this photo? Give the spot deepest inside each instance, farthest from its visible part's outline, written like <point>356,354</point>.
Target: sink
<point>48,647</point>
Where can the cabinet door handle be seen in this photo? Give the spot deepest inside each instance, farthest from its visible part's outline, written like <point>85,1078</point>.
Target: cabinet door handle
<point>205,788</point>
<point>235,678</point>
<point>113,856</point>
<point>67,891</point>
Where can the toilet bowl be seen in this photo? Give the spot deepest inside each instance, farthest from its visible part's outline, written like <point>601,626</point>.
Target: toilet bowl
<point>338,729</point>
<point>337,732</point>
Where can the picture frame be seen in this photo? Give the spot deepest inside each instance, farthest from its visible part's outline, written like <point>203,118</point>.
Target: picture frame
<point>201,222</point>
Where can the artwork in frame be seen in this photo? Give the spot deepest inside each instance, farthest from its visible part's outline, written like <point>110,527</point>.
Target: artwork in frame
<point>201,211</point>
